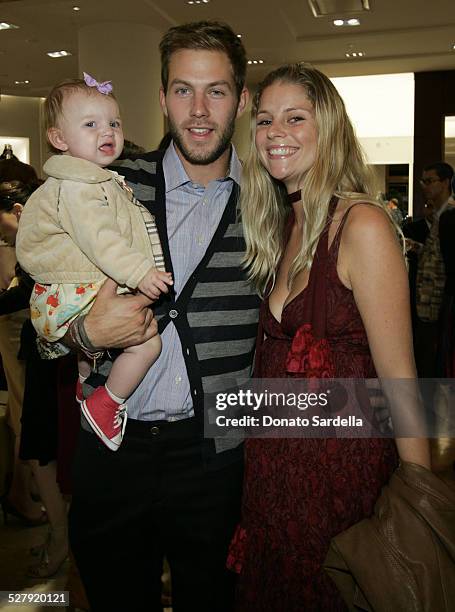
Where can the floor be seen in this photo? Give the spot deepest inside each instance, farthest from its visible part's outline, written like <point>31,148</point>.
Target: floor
<point>15,543</point>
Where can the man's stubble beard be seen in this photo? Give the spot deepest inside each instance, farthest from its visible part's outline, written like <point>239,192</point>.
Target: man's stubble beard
<point>207,157</point>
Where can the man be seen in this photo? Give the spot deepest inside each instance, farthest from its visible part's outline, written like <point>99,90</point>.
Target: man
<point>446,349</point>
<point>431,272</point>
<point>416,232</point>
<point>167,490</point>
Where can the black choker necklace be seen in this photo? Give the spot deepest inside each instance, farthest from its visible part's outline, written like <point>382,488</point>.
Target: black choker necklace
<point>296,196</point>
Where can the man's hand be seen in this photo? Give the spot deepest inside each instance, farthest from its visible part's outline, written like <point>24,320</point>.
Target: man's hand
<point>118,321</point>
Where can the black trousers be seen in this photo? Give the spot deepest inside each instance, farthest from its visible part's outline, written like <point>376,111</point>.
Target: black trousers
<point>425,348</point>
<point>153,497</point>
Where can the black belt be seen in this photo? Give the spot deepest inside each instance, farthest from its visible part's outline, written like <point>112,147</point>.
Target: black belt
<point>183,428</point>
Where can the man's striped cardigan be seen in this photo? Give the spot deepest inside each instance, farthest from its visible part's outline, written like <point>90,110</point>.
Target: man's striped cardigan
<point>216,312</point>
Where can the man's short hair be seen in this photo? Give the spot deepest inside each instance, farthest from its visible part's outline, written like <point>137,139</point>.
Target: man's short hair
<point>208,36</point>
<point>443,170</point>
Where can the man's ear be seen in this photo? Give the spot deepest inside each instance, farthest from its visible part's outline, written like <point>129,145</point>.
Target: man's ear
<point>243,101</point>
<point>55,137</point>
<point>163,101</point>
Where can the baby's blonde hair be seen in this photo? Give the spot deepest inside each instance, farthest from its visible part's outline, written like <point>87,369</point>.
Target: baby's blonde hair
<point>53,105</point>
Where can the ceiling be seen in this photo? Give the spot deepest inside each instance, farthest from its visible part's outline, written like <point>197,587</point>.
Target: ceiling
<point>395,35</point>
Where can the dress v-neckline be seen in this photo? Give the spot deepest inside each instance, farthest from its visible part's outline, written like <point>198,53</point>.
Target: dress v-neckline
<point>301,293</point>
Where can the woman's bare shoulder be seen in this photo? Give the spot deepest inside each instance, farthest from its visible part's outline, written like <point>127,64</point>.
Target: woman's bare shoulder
<point>365,219</point>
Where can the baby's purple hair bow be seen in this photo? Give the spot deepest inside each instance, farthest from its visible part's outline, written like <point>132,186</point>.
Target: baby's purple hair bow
<point>104,88</point>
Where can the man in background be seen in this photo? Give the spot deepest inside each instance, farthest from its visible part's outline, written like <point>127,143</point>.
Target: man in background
<point>431,268</point>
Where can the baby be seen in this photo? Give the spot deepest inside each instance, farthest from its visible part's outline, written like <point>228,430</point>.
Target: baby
<point>81,226</point>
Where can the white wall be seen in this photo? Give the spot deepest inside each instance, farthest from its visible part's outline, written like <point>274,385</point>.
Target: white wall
<point>21,117</point>
<point>241,137</point>
<point>449,148</point>
<point>381,108</point>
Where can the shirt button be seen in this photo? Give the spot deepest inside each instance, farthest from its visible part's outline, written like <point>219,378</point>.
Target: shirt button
<point>204,202</point>
<point>173,313</point>
<point>178,379</point>
<point>200,240</point>
<point>154,431</point>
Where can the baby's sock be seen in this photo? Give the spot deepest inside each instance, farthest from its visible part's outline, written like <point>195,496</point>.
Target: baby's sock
<point>118,400</point>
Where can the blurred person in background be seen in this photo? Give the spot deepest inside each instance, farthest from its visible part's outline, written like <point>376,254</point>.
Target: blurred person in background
<point>431,268</point>
<point>14,170</point>
<point>14,310</point>
<point>38,442</point>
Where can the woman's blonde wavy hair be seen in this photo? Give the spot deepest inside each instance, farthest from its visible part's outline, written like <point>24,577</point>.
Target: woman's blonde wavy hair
<point>339,169</point>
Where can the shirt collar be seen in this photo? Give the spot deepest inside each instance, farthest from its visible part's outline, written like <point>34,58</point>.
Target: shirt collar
<point>175,175</point>
<point>443,208</point>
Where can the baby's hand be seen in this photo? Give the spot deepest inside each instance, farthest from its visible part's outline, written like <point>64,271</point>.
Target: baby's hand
<point>154,283</point>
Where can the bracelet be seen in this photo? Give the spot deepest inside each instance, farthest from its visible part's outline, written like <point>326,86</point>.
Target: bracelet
<point>79,337</point>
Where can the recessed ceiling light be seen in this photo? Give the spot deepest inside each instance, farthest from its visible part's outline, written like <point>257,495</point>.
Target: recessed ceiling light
<point>8,26</point>
<point>256,61</point>
<point>26,82</point>
<point>453,47</point>
<point>355,54</point>
<point>346,22</point>
<point>329,8</point>
<point>76,8</point>
<point>239,36</point>
<point>58,53</point>
<point>198,1</point>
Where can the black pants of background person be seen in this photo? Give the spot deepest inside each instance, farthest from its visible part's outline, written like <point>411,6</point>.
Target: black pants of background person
<point>425,348</point>
<point>151,498</point>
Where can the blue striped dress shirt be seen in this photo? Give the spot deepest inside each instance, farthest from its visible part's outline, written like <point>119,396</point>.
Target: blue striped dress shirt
<point>193,215</point>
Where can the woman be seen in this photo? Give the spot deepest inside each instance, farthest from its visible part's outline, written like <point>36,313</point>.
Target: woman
<point>320,250</point>
<point>38,443</point>
<point>14,310</point>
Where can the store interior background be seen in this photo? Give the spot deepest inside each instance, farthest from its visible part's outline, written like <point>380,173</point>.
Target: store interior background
<point>400,92</point>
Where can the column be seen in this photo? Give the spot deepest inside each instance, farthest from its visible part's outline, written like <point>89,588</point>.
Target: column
<point>128,55</point>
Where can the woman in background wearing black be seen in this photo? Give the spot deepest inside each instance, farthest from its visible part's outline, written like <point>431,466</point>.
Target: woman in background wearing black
<point>38,443</point>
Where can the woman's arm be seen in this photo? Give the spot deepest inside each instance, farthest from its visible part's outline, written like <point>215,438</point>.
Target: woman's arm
<point>372,265</point>
<point>7,264</point>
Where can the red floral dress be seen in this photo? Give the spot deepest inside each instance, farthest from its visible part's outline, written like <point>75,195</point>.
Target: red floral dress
<point>299,493</point>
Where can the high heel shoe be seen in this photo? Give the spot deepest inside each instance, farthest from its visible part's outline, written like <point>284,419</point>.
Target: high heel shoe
<point>48,565</point>
<point>9,509</point>
<point>52,557</point>
<point>37,550</point>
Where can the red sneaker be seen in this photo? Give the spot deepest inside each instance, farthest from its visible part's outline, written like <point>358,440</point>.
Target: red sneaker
<point>106,417</point>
